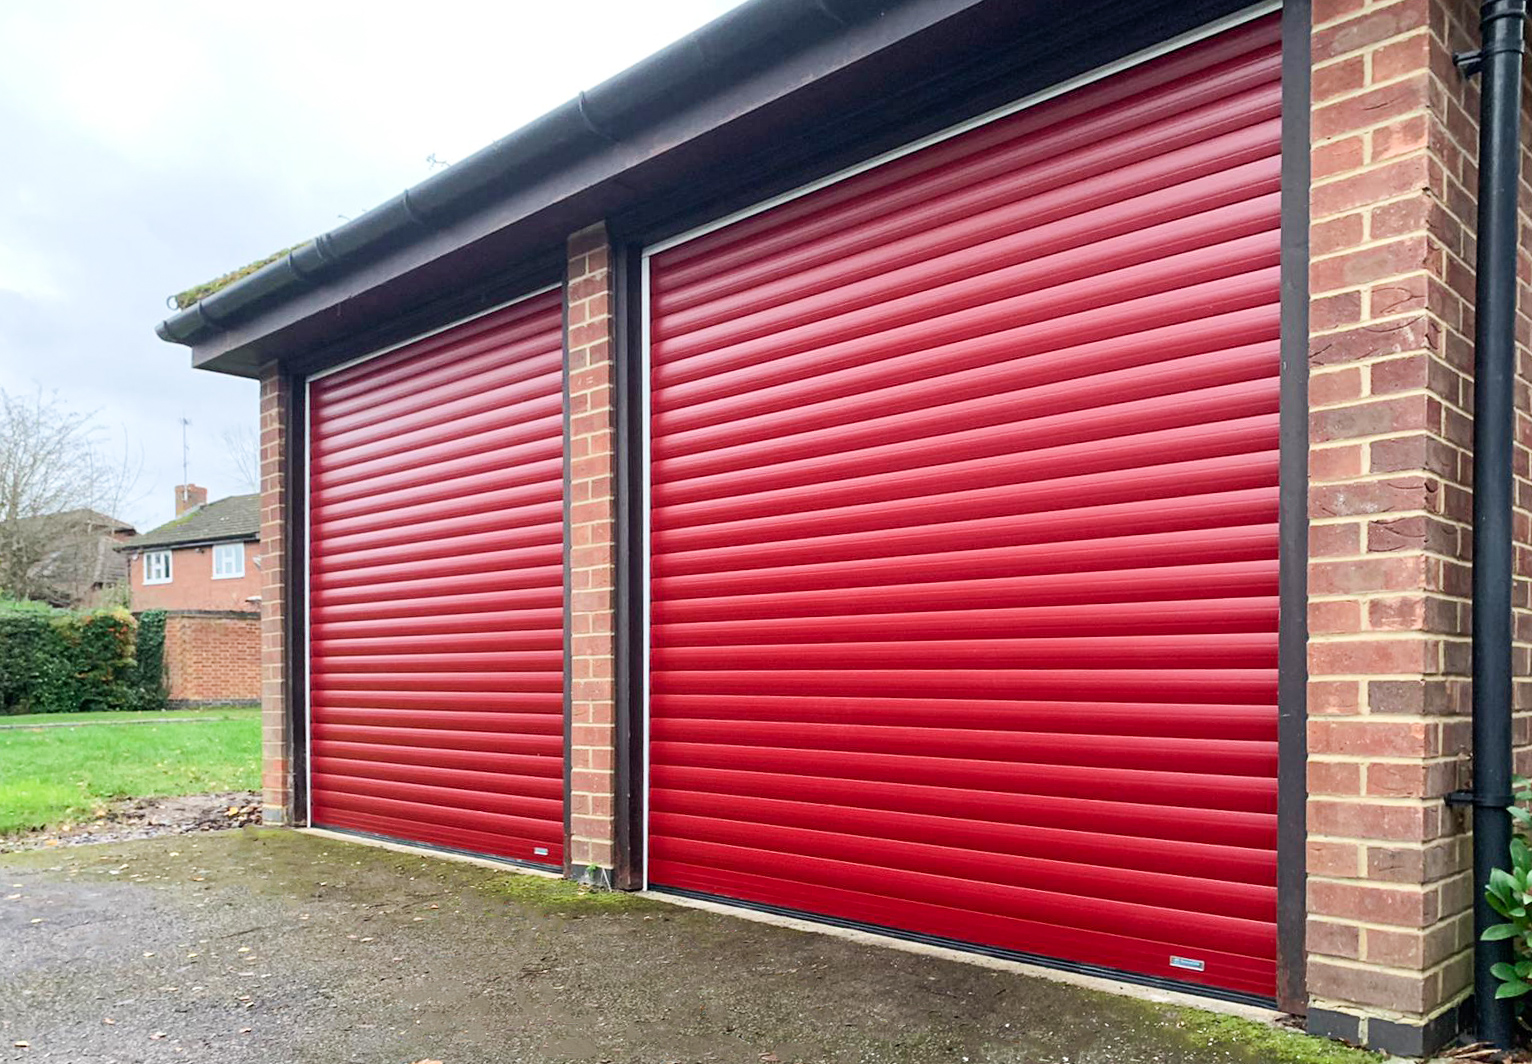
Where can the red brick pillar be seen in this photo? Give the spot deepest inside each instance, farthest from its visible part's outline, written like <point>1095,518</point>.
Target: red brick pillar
<point>276,720</point>
<point>589,347</point>
<point>1390,395</point>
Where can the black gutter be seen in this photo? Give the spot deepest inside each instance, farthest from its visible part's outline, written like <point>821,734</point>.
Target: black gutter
<point>1502,25</point>
<point>726,49</point>
<point>182,544</point>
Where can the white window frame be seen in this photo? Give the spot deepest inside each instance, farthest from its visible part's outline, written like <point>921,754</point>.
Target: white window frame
<point>239,556</point>
<point>150,556</point>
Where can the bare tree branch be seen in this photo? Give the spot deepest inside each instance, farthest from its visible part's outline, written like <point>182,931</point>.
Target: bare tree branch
<point>59,490</point>
<point>242,455</point>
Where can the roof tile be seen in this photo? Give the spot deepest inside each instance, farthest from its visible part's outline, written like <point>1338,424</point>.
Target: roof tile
<point>235,517</point>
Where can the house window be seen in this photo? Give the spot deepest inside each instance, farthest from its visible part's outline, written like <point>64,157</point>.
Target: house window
<point>157,567</point>
<point>228,561</point>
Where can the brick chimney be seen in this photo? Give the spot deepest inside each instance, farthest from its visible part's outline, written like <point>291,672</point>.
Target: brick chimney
<point>189,497</point>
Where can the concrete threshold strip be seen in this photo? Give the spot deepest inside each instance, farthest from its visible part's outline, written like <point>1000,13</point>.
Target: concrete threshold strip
<point>1089,982</point>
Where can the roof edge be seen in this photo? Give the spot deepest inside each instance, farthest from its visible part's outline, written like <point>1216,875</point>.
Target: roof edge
<point>199,541</point>
<point>593,119</point>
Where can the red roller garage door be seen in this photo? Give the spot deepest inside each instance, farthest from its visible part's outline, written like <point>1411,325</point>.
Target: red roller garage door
<point>964,534</point>
<point>436,588</point>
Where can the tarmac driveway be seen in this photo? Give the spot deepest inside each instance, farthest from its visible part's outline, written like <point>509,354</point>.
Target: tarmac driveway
<point>274,946</point>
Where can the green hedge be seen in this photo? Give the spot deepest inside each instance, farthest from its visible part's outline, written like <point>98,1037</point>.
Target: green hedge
<point>147,680</point>
<point>55,661</point>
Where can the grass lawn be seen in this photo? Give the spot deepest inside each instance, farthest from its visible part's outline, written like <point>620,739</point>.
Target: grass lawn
<point>49,776</point>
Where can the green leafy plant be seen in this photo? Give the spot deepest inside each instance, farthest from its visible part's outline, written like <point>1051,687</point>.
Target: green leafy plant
<point>1510,895</point>
<point>146,680</point>
<point>57,661</point>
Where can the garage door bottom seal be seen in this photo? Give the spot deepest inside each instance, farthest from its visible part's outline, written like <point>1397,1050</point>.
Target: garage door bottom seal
<point>511,863</point>
<point>1211,993</point>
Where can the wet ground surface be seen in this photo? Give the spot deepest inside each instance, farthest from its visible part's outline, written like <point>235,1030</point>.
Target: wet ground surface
<point>272,946</point>
<point>147,818</point>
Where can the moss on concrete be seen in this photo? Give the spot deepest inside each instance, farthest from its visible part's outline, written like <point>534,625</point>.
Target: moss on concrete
<point>563,897</point>
<point>1261,1041</point>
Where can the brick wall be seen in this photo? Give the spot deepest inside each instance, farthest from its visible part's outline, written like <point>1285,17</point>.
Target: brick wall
<point>592,534</point>
<point>213,657</point>
<point>276,763</point>
<point>1391,361</point>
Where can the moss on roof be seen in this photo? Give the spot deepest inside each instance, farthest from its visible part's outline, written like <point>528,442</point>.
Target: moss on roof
<point>234,517</point>
<point>182,300</point>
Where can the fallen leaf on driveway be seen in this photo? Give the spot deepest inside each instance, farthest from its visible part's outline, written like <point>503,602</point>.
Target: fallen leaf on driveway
<point>157,1035</point>
<point>108,1020</point>
<point>22,1045</point>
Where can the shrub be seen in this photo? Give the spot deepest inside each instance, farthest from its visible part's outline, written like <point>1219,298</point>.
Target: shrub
<point>26,643</point>
<point>148,674</point>
<point>55,661</point>
<point>1510,895</point>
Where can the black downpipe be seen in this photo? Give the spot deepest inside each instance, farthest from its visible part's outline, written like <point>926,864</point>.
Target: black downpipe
<point>1502,24</point>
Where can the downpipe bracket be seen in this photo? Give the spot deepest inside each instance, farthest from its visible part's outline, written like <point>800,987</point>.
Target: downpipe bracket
<point>1472,62</point>
<point>1459,799</point>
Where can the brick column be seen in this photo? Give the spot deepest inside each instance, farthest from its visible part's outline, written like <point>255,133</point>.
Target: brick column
<point>589,347</point>
<point>276,733</point>
<point>1390,931</point>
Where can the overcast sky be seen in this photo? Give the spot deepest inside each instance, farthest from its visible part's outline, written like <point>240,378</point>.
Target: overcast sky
<point>147,147</point>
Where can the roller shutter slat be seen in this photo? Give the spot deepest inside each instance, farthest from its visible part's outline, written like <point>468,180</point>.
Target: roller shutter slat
<point>533,766</point>
<point>493,782</point>
<point>436,589</point>
<point>1254,830</point>
<point>1222,189</point>
<point>877,398</point>
<point>1170,584</point>
<point>1231,63</point>
<point>1053,416</point>
<point>1164,856</point>
<point>1236,278</point>
<point>1100,718</point>
<point>964,534</point>
<point>398,451</point>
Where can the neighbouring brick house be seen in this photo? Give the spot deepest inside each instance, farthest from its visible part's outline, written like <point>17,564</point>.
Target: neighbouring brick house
<point>203,568</point>
<point>913,464</point>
